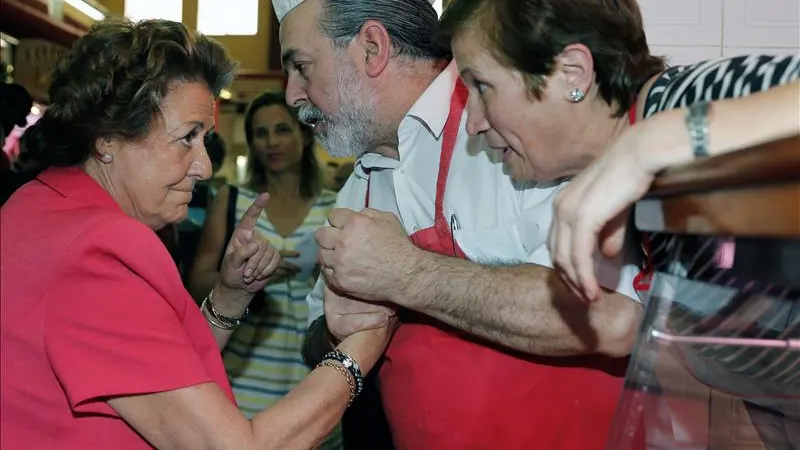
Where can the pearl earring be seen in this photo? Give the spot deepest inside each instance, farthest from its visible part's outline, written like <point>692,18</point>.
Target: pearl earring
<point>577,95</point>
<point>106,158</point>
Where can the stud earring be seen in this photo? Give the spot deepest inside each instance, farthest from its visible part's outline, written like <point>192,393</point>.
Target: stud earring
<point>106,158</point>
<point>577,95</point>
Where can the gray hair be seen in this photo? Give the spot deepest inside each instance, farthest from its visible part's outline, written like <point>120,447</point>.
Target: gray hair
<point>411,24</point>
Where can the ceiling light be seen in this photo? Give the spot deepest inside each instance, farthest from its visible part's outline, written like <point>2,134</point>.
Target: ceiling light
<point>86,8</point>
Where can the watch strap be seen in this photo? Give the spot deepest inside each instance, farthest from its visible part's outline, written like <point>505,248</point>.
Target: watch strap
<point>697,126</point>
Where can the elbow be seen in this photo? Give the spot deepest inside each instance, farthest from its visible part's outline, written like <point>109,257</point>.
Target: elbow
<point>622,331</point>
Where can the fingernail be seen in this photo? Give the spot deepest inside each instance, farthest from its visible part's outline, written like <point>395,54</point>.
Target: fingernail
<point>248,273</point>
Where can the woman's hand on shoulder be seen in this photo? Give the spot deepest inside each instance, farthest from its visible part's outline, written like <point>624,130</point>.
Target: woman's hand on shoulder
<point>592,211</point>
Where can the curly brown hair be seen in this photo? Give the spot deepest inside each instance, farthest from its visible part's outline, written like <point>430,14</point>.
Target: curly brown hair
<point>111,84</point>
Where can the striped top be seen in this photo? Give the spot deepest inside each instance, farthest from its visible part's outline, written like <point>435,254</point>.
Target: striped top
<point>263,357</point>
<point>698,275</point>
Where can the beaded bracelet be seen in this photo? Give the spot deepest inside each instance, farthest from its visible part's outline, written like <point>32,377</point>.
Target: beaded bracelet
<point>350,382</point>
<point>348,363</point>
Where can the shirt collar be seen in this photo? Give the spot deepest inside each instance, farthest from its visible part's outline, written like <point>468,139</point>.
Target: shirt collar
<point>74,183</point>
<point>433,106</point>
<point>431,110</point>
<point>373,161</point>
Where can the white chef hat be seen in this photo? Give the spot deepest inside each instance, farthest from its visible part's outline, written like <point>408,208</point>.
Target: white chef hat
<point>282,7</point>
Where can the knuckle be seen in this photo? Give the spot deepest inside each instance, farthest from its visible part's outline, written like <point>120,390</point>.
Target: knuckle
<point>357,220</point>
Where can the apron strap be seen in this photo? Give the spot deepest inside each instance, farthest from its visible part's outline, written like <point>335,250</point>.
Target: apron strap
<point>443,226</point>
<point>458,102</point>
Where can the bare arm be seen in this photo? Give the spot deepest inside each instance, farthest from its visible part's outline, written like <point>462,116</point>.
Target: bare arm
<point>591,212</point>
<point>335,317</point>
<point>734,124</point>
<point>522,307</point>
<point>205,270</point>
<point>202,417</point>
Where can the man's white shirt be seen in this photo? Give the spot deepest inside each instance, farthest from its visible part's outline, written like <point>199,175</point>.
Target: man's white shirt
<point>497,221</point>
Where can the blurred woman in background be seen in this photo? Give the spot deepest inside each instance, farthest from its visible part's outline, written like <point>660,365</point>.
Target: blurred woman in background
<point>263,358</point>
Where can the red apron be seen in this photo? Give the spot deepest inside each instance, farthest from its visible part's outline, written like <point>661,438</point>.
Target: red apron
<point>444,390</point>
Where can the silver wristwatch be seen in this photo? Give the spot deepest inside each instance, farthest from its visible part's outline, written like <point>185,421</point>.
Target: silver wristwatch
<point>697,126</point>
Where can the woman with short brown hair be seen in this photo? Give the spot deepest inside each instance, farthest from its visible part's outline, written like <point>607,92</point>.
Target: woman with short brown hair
<point>556,85</point>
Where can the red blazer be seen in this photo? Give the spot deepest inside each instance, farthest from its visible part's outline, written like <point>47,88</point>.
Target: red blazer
<point>92,307</point>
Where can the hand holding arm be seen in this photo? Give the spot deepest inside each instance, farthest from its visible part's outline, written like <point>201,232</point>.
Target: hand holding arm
<point>522,307</point>
<point>202,417</point>
<point>343,316</point>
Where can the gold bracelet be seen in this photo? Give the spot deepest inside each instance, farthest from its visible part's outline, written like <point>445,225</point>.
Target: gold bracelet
<point>213,320</point>
<point>218,319</point>
<point>350,382</point>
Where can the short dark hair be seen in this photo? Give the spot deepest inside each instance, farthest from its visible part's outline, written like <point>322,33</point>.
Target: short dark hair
<point>111,85</point>
<point>310,174</point>
<point>411,24</point>
<point>528,35</point>
<point>15,105</point>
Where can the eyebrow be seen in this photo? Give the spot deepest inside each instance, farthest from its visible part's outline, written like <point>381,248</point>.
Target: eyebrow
<point>277,124</point>
<point>287,57</point>
<point>196,125</point>
<point>465,72</point>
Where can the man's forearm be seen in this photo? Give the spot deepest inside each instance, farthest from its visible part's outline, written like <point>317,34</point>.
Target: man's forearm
<point>317,343</point>
<point>523,307</point>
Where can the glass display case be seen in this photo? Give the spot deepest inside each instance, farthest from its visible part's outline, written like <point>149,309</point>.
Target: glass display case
<point>717,364</point>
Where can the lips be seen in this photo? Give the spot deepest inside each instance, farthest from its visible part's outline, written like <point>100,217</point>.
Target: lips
<point>504,151</point>
<point>320,127</point>
<point>310,115</point>
<point>507,152</point>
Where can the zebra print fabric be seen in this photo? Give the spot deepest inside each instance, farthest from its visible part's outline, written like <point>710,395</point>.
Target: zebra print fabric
<point>682,86</point>
<point>705,294</point>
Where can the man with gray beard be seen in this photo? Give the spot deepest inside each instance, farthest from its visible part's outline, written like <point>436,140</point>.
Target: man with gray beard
<point>423,197</point>
<point>345,133</point>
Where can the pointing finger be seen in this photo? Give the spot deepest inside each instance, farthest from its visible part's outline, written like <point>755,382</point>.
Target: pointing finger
<point>250,217</point>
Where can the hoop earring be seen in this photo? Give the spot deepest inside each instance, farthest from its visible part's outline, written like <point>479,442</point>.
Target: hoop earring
<point>577,95</point>
<point>105,158</point>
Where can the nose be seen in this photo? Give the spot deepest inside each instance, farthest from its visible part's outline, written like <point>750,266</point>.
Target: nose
<point>201,166</point>
<point>295,91</point>
<point>271,140</point>
<point>476,117</point>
